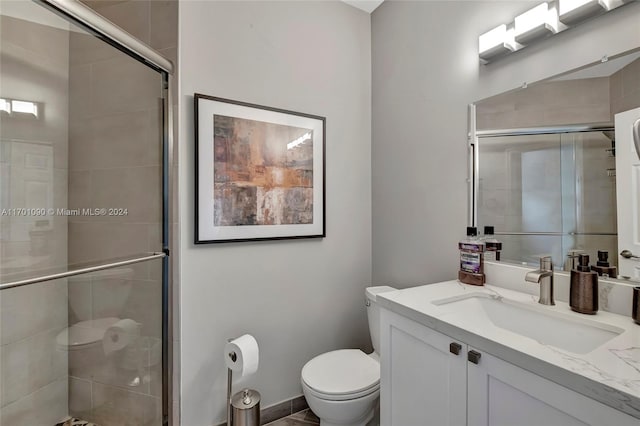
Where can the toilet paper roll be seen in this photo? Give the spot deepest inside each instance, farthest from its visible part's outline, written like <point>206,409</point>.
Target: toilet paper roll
<point>120,335</point>
<point>246,357</point>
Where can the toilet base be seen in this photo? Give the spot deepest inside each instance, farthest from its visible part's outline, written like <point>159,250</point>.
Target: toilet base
<point>353,412</point>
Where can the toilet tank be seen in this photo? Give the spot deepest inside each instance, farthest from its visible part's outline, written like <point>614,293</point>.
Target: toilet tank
<point>373,313</point>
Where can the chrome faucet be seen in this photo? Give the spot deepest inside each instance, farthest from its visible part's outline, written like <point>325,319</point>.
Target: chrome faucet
<point>544,277</point>
<point>572,258</point>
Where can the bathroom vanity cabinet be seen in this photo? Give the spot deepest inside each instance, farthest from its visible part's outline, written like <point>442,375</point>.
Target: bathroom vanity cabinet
<point>428,378</point>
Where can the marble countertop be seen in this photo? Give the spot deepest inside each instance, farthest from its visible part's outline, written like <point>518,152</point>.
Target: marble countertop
<point>609,374</point>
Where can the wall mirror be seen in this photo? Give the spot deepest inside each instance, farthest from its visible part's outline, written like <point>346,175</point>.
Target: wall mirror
<point>553,166</point>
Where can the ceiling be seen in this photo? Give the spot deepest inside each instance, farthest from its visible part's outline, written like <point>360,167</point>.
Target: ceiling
<point>366,5</point>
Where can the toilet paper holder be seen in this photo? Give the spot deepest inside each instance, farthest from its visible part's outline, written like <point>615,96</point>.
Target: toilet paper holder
<point>233,357</point>
<point>243,409</point>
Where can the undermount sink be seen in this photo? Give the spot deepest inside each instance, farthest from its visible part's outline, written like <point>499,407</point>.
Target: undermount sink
<point>548,327</point>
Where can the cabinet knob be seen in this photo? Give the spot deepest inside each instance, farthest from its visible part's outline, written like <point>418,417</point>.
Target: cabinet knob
<point>455,348</point>
<point>474,356</point>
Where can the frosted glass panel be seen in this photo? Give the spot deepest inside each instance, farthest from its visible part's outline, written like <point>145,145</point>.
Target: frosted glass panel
<point>82,167</point>
<point>520,183</point>
<point>80,183</point>
<point>526,249</point>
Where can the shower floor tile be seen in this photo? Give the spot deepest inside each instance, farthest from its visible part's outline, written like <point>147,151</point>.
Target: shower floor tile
<point>76,422</point>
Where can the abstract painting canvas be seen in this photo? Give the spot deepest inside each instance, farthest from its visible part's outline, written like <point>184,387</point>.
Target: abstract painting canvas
<point>259,172</point>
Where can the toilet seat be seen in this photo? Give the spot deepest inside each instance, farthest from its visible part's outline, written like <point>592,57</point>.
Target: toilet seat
<point>342,375</point>
<point>344,397</point>
<point>84,334</point>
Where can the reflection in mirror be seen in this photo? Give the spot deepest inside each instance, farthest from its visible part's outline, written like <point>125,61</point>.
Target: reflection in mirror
<point>548,193</point>
<point>545,163</point>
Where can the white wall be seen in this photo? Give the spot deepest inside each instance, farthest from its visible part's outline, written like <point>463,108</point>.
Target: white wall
<point>425,71</point>
<point>298,298</point>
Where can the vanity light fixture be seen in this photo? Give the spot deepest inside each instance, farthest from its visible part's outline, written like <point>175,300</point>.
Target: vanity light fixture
<point>536,23</point>
<point>496,42</point>
<point>574,11</point>
<point>546,19</point>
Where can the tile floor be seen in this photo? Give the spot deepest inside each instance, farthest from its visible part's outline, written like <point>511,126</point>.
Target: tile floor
<point>301,418</point>
<point>306,418</point>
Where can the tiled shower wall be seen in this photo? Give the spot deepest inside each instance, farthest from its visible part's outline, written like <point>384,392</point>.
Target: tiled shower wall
<point>33,174</point>
<point>116,162</point>
<point>547,104</point>
<point>589,100</point>
<point>625,88</point>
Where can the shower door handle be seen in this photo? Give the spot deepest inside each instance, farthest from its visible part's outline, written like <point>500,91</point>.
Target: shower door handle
<point>636,136</point>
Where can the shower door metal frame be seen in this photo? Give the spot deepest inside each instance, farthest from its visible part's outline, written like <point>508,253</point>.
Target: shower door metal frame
<point>106,31</point>
<point>109,32</point>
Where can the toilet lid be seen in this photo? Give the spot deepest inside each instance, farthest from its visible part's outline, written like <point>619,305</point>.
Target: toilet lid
<point>84,332</point>
<point>345,371</point>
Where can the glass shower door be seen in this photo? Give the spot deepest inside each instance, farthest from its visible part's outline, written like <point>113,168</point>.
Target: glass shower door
<point>520,194</point>
<point>82,268</point>
<point>589,184</point>
<point>549,194</point>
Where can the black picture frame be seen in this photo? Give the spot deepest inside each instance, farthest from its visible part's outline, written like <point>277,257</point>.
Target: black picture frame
<point>259,172</point>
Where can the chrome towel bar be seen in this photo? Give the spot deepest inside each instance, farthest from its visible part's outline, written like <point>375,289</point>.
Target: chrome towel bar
<point>56,276</point>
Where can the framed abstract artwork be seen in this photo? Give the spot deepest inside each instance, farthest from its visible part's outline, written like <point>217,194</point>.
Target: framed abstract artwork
<point>259,172</point>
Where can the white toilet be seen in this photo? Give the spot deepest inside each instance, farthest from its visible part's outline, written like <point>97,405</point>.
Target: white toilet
<point>87,334</point>
<point>342,387</point>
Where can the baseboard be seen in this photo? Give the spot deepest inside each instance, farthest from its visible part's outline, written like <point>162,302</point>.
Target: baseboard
<point>281,409</point>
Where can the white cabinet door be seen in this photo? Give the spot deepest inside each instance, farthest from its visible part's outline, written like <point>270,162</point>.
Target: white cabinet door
<point>421,381</point>
<point>628,190</point>
<point>501,394</point>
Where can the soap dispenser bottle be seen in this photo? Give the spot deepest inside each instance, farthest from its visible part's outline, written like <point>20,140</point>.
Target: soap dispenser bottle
<point>603,268</point>
<point>584,287</point>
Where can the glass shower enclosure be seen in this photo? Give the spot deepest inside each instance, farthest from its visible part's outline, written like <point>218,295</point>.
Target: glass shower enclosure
<point>83,226</point>
<point>549,192</point>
